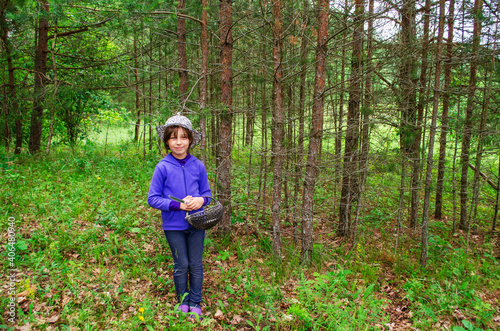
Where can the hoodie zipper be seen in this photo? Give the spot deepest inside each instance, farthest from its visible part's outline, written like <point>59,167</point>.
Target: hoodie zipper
<point>185,184</point>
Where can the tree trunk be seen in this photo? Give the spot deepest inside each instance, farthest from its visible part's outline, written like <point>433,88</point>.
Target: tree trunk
<point>278,128</point>
<point>40,78</point>
<point>367,110</point>
<point>56,84</point>
<point>137,93</point>
<point>204,79</point>
<point>226,118</point>
<point>417,139</point>
<point>12,107</point>
<point>316,132</point>
<point>480,144</point>
<point>497,200</point>
<point>300,138</point>
<point>438,212</point>
<point>181,46</point>
<point>351,149</point>
<point>478,4</point>
<point>432,134</point>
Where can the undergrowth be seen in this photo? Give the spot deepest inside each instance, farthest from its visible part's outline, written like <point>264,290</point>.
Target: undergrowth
<point>91,255</point>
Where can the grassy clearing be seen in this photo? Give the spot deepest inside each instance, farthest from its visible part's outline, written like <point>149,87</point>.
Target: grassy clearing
<point>91,256</point>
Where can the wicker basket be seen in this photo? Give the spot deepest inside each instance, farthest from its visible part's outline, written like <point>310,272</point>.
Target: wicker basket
<point>208,217</point>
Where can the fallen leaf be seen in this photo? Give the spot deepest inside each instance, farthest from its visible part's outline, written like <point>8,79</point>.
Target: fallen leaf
<point>25,327</point>
<point>64,301</point>
<point>219,314</point>
<point>237,319</point>
<point>54,317</point>
<point>28,291</point>
<point>458,314</point>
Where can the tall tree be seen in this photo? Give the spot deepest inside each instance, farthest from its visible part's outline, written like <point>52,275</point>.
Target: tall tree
<point>316,133</point>
<point>182,55</point>
<point>204,77</point>
<point>417,129</point>
<point>467,132</point>
<point>226,112</point>
<point>39,89</point>
<point>12,109</point>
<point>278,127</point>
<point>438,211</point>
<point>137,91</point>
<point>350,175</point>
<point>432,134</point>
<point>300,139</point>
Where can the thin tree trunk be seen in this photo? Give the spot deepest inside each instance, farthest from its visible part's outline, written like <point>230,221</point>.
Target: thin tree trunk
<point>250,115</point>
<point>137,93</point>
<point>469,113</point>
<point>338,137</point>
<point>182,56</point>
<point>226,116</point>
<point>11,102</point>
<point>40,78</point>
<point>365,127</point>
<point>494,223</point>
<point>401,198</point>
<point>263,158</point>
<point>56,84</point>
<point>278,128</point>
<point>432,134</point>
<point>150,103</point>
<point>480,146</point>
<point>417,139</point>
<point>453,169</point>
<point>300,138</point>
<point>438,212</point>
<point>203,80</point>
<point>351,150</point>
<point>316,132</point>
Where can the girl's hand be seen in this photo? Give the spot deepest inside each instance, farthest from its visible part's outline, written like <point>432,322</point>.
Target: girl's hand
<point>192,203</point>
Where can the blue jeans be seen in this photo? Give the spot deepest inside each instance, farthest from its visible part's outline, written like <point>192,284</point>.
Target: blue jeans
<point>187,251</point>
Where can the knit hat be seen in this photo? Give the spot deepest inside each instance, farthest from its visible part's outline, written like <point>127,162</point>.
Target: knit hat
<point>179,120</point>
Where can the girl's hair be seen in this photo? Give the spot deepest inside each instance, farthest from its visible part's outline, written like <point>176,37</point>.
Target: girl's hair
<point>173,129</point>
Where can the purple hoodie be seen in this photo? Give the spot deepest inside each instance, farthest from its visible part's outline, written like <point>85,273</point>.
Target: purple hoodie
<point>170,178</point>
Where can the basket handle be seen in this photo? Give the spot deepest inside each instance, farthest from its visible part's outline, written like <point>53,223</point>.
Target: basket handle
<point>182,201</point>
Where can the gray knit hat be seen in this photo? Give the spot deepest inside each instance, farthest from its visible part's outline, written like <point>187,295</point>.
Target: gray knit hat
<point>179,120</point>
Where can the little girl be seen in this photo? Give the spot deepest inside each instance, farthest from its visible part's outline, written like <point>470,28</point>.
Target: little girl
<point>183,176</point>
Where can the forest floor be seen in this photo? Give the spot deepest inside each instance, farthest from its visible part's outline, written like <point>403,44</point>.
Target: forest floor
<point>90,255</point>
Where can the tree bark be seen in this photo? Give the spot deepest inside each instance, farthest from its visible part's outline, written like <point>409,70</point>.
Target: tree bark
<point>56,85</point>
<point>478,4</point>
<point>181,47</point>
<point>438,212</point>
<point>40,78</point>
<point>300,138</point>
<point>365,115</point>
<point>497,200</point>
<point>12,106</point>
<point>417,138</point>
<point>204,79</point>
<point>137,93</point>
<point>432,134</point>
<point>316,133</point>
<point>226,118</point>
<point>351,150</point>
<point>278,128</point>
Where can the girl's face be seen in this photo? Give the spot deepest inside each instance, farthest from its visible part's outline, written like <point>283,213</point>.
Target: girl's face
<point>179,143</point>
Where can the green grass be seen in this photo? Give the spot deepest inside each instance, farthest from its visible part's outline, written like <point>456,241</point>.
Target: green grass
<point>92,256</point>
